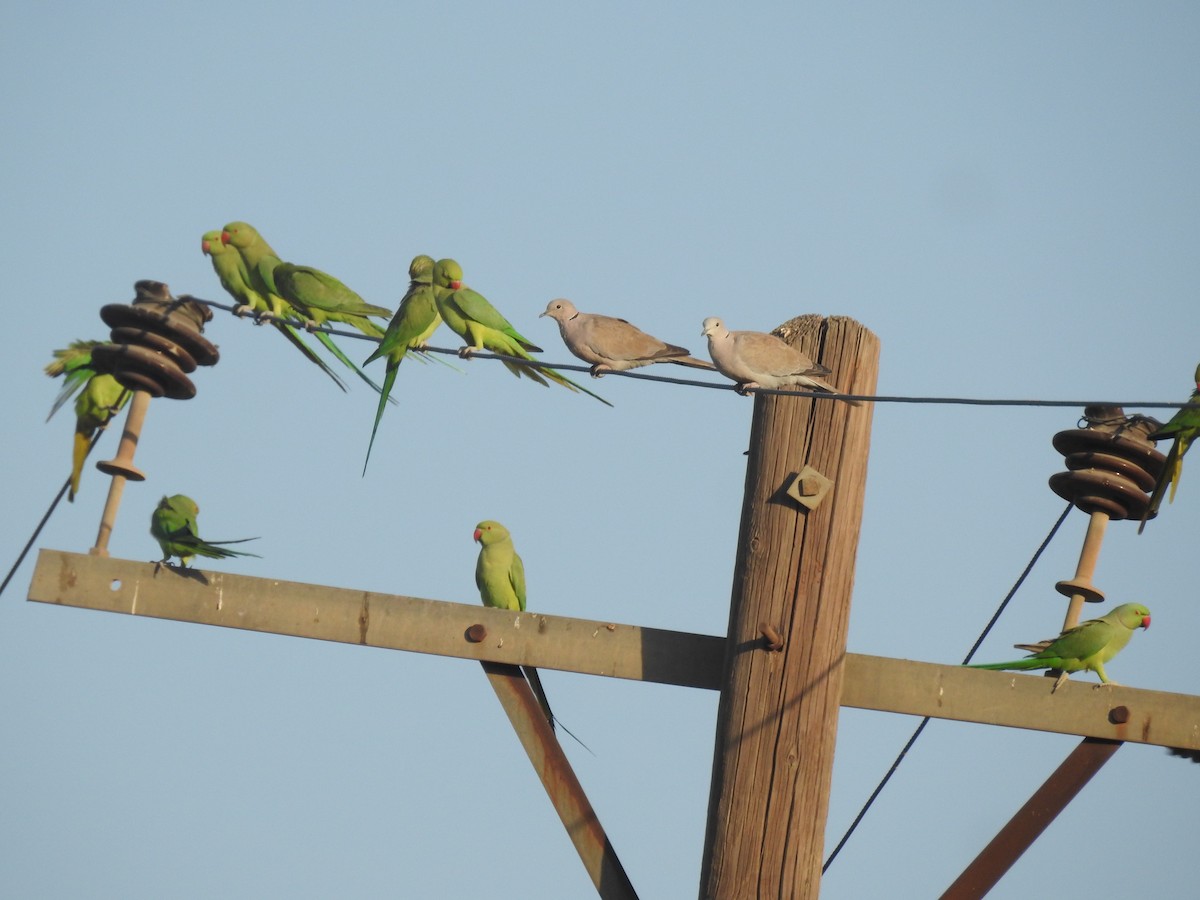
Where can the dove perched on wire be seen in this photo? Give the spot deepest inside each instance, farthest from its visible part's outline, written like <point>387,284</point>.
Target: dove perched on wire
<point>757,360</point>
<point>613,345</point>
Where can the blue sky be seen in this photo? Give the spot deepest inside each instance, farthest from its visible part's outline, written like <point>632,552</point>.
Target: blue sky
<point>1005,193</point>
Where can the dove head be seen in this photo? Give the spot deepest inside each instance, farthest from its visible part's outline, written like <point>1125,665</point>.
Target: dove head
<point>489,532</point>
<point>240,234</point>
<point>420,269</point>
<point>713,327</point>
<point>560,310</point>
<point>447,274</point>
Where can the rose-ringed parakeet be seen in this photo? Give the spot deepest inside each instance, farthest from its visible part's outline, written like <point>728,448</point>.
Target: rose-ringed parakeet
<point>261,265</point>
<point>1089,645</point>
<point>757,360</point>
<point>477,322</point>
<point>1183,427</point>
<point>415,321</point>
<point>234,277</point>
<point>173,525</point>
<point>613,345</point>
<point>100,398</point>
<point>500,577</point>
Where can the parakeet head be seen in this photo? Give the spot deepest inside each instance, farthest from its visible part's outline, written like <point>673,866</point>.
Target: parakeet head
<point>560,310</point>
<point>712,327</point>
<point>240,234</point>
<point>1198,377</point>
<point>489,532</point>
<point>210,242</point>
<point>420,269</point>
<point>1132,615</point>
<point>447,274</point>
<point>180,503</point>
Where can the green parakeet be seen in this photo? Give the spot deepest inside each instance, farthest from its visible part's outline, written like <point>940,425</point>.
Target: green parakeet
<point>173,525</point>
<point>261,265</point>
<point>1089,645</point>
<point>477,322</point>
<point>74,365</point>
<point>100,398</point>
<point>500,577</point>
<point>410,330</point>
<point>234,277</point>
<point>99,401</point>
<point>1183,427</point>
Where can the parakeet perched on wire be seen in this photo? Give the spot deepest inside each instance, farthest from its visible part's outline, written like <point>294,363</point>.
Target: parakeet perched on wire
<point>477,322</point>
<point>1089,645</point>
<point>173,525</point>
<point>262,264</point>
<point>410,330</point>
<point>234,277</point>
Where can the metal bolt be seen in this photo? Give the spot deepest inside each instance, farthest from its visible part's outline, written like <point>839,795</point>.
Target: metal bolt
<point>1118,715</point>
<point>476,634</point>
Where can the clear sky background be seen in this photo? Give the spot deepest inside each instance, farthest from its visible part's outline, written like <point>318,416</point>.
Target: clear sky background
<point>1005,193</point>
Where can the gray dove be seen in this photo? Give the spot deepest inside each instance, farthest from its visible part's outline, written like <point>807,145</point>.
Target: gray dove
<point>613,345</point>
<point>757,360</point>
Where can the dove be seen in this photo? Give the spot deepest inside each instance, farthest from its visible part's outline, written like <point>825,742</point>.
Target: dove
<point>1089,645</point>
<point>1183,427</point>
<point>757,360</point>
<point>173,525</point>
<point>613,345</point>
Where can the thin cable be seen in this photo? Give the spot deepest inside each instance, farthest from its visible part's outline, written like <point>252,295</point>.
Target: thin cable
<point>712,385</point>
<point>54,504</point>
<point>925,721</point>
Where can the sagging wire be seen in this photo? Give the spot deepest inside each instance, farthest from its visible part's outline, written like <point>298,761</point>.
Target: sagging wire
<point>925,721</point>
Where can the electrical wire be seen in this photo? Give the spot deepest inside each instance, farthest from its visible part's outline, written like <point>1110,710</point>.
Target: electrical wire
<point>712,385</point>
<point>925,721</point>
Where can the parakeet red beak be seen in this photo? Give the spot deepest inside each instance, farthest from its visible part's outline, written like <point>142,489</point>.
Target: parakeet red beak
<point>456,284</point>
<point>204,246</point>
<point>1145,621</point>
<point>224,237</point>
<point>477,534</point>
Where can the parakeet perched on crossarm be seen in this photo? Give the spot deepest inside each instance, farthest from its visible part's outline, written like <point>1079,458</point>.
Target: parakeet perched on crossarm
<point>173,525</point>
<point>1087,646</point>
<point>1183,427</point>
<point>500,577</point>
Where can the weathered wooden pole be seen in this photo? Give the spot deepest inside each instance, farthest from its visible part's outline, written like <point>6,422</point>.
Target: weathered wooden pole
<point>777,719</point>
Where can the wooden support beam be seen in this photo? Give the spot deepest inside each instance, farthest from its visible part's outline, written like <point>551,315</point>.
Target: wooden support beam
<point>793,578</point>
<point>1032,819</point>
<point>558,778</point>
<point>597,648</point>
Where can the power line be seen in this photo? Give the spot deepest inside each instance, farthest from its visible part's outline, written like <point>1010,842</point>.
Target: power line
<point>725,386</point>
<point>925,721</point>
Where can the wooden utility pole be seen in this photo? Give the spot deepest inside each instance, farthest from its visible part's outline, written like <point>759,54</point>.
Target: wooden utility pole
<point>777,720</point>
